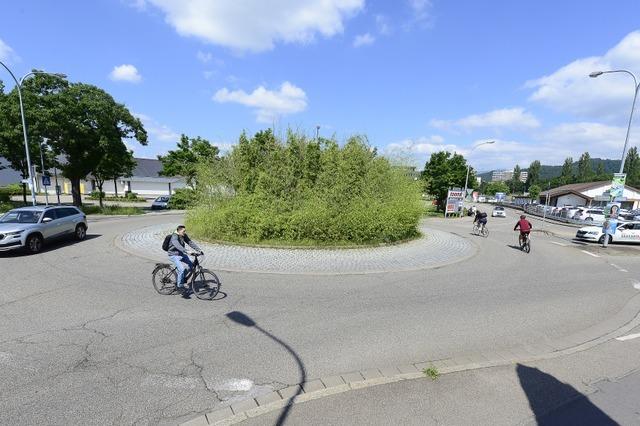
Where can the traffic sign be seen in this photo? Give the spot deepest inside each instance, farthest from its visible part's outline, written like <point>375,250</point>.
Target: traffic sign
<point>46,180</point>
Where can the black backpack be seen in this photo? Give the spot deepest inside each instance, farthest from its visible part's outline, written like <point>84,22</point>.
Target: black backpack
<point>167,242</point>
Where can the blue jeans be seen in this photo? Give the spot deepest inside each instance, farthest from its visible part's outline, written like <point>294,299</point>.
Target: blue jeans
<point>183,264</point>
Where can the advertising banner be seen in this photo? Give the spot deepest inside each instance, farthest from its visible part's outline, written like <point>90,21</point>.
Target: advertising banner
<point>617,185</point>
<point>454,201</point>
<point>610,224</point>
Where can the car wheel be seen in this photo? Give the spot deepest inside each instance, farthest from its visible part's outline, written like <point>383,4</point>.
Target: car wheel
<point>601,240</point>
<point>34,244</point>
<point>81,232</point>
<point>589,219</point>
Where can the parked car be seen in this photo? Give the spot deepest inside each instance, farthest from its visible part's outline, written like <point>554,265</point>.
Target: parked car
<point>577,212</point>
<point>30,228</point>
<point>625,232</point>
<point>499,212</point>
<point>160,203</point>
<point>591,215</point>
<point>631,214</point>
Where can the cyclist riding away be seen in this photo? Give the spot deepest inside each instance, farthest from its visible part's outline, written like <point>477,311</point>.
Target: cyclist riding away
<point>525,228</point>
<point>481,218</point>
<point>178,253</point>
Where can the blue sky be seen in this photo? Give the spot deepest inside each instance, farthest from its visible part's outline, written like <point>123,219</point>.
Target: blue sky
<point>415,76</point>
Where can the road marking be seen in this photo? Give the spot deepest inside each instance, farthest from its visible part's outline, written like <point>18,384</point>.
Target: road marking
<point>636,286</point>
<point>558,244</point>
<point>618,268</point>
<point>628,337</point>
<point>589,253</point>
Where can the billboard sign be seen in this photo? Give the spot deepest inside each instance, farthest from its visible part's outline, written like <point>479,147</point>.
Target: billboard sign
<point>617,185</point>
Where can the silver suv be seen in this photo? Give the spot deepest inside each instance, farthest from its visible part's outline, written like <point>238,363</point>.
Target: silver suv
<point>30,227</point>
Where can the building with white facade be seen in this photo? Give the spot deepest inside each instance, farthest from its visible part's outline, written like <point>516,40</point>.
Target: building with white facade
<point>145,181</point>
<point>589,194</point>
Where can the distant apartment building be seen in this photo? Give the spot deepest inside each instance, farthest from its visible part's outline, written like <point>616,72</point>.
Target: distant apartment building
<point>501,175</point>
<point>505,175</point>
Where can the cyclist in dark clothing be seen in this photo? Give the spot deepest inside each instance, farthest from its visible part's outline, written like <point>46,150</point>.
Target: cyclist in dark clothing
<point>178,253</point>
<point>481,218</point>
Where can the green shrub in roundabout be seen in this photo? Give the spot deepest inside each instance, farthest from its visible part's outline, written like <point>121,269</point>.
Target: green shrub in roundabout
<point>304,192</point>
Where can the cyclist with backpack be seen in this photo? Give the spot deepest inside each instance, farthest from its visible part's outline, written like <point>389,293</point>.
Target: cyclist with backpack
<point>481,219</point>
<point>175,246</point>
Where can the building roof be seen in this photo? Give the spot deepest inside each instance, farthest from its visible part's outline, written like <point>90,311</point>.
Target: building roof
<point>7,174</point>
<point>147,167</point>
<point>580,188</point>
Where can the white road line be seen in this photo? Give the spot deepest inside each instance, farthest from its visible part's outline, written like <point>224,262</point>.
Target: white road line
<point>590,254</point>
<point>618,268</point>
<point>558,244</point>
<point>636,286</point>
<point>628,337</point>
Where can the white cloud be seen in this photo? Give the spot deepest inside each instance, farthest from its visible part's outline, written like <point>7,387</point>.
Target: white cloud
<point>569,89</point>
<point>268,104</point>
<point>257,25</point>
<point>382,23</point>
<point>513,118</point>
<point>6,53</point>
<point>363,40</point>
<point>125,72</point>
<point>156,130</point>
<point>204,57</point>
<point>421,12</point>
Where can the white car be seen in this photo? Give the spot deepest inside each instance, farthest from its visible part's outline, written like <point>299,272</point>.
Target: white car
<point>591,215</point>
<point>626,232</point>
<point>498,212</point>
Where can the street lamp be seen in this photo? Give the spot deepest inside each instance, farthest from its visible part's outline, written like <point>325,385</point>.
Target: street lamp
<point>24,123</point>
<point>466,181</point>
<point>635,95</point>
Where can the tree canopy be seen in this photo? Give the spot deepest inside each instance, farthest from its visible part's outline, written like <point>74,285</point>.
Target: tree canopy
<point>444,171</point>
<point>184,160</point>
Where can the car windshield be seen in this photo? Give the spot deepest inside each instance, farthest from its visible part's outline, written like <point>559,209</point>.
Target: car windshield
<point>21,216</point>
<point>499,208</point>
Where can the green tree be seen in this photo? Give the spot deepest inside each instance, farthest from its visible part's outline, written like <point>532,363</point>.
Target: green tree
<point>442,172</point>
<point>494,187</point>
<point>534,192</point>
<point>184,160</point>
<point>37,116</point>
<point>515,184</point>
<point>116,162</point>
<point>585,170</point>
<point>566,176</point>
<point>533,176</point>
<point>632,167</point>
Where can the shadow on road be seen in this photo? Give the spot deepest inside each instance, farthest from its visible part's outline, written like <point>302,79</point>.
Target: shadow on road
<point>557,403</point>
<point>242,319</point>
<point>50,246</point>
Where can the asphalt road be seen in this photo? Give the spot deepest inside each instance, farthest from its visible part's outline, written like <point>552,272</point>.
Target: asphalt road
<point>86,340</point>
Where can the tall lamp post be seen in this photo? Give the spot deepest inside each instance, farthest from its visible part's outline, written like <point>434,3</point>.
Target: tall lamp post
<point>636,87</point>
<point>24,123</point>
<point>466,181</point>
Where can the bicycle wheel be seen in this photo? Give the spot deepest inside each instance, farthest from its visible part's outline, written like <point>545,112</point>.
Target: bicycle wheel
<point>527,246</point>
<point>475,230</point>
<point>206,285</point>
<point>485,231</point>
<point>165,279</point>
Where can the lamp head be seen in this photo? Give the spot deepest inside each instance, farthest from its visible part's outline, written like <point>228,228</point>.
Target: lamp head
<point>596,74</point>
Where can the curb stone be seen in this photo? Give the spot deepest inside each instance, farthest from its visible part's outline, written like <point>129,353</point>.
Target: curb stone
<point>629,317</point>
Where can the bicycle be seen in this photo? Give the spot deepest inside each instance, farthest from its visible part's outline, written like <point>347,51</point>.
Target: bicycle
<point>525,245</point>
<point>477,230</point>
<point>204,283</point>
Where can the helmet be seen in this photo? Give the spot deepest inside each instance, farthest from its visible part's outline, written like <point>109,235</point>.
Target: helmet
<point>522,216</point>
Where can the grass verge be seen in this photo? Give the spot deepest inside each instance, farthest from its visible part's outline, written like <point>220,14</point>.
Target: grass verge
<point>112,210</point>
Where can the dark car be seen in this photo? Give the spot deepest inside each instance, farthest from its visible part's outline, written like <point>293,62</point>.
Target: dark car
<point>160,203</point>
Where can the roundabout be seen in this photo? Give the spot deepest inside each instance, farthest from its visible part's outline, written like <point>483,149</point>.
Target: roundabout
<point>435,249</point>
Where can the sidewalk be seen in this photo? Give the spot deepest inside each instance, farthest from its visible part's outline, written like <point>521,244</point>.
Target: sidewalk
<point>595,387</point>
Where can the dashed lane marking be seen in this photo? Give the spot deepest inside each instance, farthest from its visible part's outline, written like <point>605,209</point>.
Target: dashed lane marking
<point>636,285</point>
<point>589,253</point>
<point>618,268</point>
<point>559,244</point>
<point>628,337</point>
